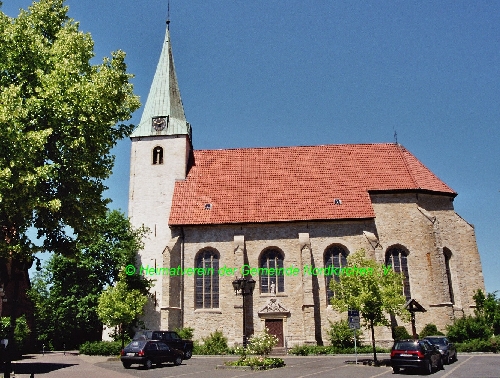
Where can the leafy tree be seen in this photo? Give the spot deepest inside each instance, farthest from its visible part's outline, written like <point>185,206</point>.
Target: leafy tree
<point>488,308</point>
<point>481,326</point>
<point>376,294</point>
<point>58,123</point>
<point>119,305</point>
<point>21,333</point>
<point>469,328</point>
<point>66,291</point>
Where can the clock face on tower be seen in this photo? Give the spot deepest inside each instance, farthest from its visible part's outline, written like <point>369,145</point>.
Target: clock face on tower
<point>159,123</point>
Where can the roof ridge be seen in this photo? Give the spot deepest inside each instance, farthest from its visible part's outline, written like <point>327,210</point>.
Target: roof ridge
<point>305,146</point>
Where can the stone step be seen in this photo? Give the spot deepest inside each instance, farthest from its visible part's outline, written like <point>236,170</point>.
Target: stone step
<point>278,351</point>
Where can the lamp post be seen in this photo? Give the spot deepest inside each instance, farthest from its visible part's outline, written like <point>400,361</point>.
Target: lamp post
<point>244,287</point>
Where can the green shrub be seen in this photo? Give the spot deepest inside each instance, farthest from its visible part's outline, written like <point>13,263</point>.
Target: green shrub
<point>214,344</point>
<point>469,328</point>
<point>185,333</point>
<point>490,345</point>
<point>101,348</point>
<point>400,333</point>
<point>430,330</point>
<point>341,335</point>
<point>305,350</point>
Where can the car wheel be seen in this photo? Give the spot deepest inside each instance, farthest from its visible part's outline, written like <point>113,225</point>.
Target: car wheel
<point>178,361</point>
<point>188,354</point>
<point>126,365</point>
<point>395,369</point>
<point>428,367</point>
<point>447,360</point>
<point>440,364</point>
<point>148,364</point>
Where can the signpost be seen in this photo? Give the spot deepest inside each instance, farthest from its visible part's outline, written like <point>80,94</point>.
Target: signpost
<point>353,317</point>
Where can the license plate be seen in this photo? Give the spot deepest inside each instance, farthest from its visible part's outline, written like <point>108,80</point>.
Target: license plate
<point>131,354</point>
<point>405,355</point>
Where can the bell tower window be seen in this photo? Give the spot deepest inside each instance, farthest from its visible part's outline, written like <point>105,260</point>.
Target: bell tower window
<point>157,155</point>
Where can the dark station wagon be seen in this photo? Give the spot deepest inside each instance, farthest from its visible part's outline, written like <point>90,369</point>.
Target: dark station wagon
<point>149,352</point>
<point>171,338</point>
<point>419,354</point>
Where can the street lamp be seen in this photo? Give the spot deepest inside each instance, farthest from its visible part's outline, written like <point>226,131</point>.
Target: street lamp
<point>244,287</point>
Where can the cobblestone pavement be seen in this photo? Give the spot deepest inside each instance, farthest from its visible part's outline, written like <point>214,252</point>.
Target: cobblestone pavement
<point>57,365</point>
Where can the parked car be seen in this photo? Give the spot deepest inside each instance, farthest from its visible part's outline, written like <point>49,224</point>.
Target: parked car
<point>149,352</point>
<point>447,348</point>
<point>419,354</point>
<point>171,338</point>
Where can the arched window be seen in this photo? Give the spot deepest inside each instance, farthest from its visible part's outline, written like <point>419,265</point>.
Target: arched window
<point>207,284</point>
<point>335,256</point>
<point>397,258</point>
<point>157,155</point>
<point>447,256</point>
<point>270,282</point>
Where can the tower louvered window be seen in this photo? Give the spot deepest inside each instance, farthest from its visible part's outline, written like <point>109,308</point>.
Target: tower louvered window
<point>207,285</point>
<point>397,258</point>
<point>335,256</point>
<point>157,155</point>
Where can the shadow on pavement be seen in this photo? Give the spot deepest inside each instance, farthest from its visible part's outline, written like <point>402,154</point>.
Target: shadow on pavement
<point>36,367</point>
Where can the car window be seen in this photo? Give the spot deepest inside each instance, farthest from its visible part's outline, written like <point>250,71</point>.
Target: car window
<point>152,346</point>
<point>437,340</point>
<point>156,336</point>
<point>142,335</point>
<point>162,346</point>
<point>406,345</point>
<point>136,345</point>
<point>174,336</point>
<point>425,345</point>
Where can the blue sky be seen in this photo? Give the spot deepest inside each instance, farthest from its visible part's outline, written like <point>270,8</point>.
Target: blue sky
<point>285,73</point>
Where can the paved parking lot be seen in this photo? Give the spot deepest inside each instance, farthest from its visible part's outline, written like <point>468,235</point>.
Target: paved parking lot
<point>59,366</point>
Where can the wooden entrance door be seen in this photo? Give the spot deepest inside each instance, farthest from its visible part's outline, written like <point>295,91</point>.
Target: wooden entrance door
<point>275,327</point>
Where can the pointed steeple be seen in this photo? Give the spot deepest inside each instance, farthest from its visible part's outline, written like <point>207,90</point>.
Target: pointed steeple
<point>163,113</point>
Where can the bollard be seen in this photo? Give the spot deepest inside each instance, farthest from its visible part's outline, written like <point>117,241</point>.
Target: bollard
<point>64,349</point>
<point>43,349</point>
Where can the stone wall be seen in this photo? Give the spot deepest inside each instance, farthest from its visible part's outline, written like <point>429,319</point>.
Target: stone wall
<point>150,197</point>
<point>421,224</point>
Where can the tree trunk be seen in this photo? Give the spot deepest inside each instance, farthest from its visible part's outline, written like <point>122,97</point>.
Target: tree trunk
<point>9,351</point>
<point>122,331</point>
<point>373,342</point>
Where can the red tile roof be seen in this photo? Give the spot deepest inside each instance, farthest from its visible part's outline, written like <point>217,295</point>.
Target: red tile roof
<point>295,183</point>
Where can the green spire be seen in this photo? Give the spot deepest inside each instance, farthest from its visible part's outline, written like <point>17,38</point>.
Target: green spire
<point>164,104</point>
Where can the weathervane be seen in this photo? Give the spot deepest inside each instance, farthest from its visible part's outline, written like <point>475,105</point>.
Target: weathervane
<point>168,14</point>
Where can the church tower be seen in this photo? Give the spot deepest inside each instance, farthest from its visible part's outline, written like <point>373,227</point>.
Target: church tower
<point>161,146</point>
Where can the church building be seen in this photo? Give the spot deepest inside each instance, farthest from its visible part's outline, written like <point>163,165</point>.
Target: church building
<point>214,215</point>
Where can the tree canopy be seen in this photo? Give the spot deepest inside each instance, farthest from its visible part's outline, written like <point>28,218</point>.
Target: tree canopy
<point>377,294</point>
<point>66,291</point>
<point>59,119</point>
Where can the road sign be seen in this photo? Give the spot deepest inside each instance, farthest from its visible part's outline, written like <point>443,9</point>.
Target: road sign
<point>353,317</point>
